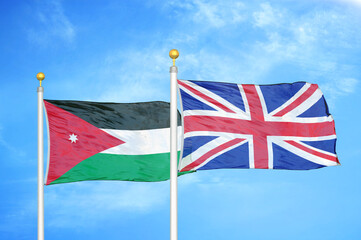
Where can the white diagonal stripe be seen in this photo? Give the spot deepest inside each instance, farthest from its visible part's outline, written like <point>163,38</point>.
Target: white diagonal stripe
<point>185,162</point>
<point>261,98</point>
<point>292,99</point>
<point>219,153</point>
<point>202,150</point>
<point>212,95</point>
<point>305,105</point>
<point>310,157</point>
<point>194,156</point>
<point>316,149</point>
<point>200,98</point>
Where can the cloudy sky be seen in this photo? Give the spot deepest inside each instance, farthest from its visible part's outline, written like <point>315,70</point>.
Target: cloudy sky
<point>118,51</point>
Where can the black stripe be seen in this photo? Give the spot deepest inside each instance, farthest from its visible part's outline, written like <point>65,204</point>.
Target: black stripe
<point>122,116</point>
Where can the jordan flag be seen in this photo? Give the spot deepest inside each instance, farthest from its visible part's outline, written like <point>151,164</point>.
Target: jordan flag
<point>107,141</point>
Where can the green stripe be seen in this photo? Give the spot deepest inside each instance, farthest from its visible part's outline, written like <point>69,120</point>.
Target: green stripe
<point>102,166</point>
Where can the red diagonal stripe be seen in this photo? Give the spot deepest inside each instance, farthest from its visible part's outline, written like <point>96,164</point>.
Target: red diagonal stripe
<point>212,152</point>
<point>205,97</point>
<point>313,152</point>
<point>308,93</point>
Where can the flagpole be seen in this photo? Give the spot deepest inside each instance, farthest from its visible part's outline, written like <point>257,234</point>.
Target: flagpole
<point>40,76</point>
<point>173,148</point>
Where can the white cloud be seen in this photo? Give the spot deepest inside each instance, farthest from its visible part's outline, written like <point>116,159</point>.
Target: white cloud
<point>348,85</point>
<point>309,42</point>
<point>304,40</point>
<point>267,16</point>
<point>207,65</point>
<point>219,13</point>
<point>135,76</point>
<point>52,24</point>
<point>338,87</point>
<point>353,2</point>
<point>211,13</point>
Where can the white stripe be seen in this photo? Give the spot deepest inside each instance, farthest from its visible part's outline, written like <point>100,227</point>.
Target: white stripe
<point>218,134</point>
<point>200,98</point>
<point>298,119</point>
<point>185,162</point>
<point>206,148</point>
<point>251,153</point>
<point>201,151</point>
<point>224,135</point>
<point>211,95</point>
<point>310,157</point>
<point>261,98</point>
<point>142,142</point>
<point>245,100</point>
<point>239,115</point>
<point>305,105</point>
<point>222,138</point>
<point>316,149</point>
<point>219,153</point>
<point>323,138</point>
<point>270,139</point>
<point>181,135</point>
<point>270,153</point>
<point>292,99</point>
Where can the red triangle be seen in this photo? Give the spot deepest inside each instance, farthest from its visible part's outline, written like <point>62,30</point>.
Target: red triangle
<point>65,154</point>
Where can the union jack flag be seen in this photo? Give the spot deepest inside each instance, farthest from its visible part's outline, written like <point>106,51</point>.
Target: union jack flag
<point>281,126</point>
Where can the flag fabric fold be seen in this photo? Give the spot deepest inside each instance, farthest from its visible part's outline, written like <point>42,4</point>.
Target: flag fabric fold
<point>281,126</point>
<point>107,141</point>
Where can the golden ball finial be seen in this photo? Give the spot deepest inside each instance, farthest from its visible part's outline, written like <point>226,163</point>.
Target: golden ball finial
<point>173,54</point>
<point>40,76</point>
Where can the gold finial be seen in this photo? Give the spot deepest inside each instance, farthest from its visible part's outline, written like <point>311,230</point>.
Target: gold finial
<point>173,54</point>
<point>40,76</point>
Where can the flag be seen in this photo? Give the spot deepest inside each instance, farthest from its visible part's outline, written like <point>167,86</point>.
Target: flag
<point>107,141</point>
<point>281,126</point>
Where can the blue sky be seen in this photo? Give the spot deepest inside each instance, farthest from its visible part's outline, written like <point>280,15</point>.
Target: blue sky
<point>118,51</point>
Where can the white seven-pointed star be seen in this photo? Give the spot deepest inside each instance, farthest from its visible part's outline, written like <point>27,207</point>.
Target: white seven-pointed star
<point>73,138</point>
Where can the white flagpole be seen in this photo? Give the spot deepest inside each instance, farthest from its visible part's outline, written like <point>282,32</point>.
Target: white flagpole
<point>173,148</point>
<point>40,76</point>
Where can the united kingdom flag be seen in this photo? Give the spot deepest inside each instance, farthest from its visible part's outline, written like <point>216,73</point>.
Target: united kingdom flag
<point>281,126</point>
